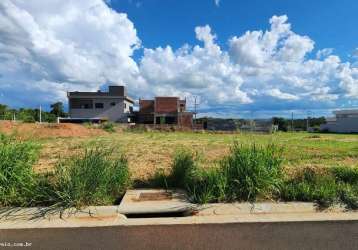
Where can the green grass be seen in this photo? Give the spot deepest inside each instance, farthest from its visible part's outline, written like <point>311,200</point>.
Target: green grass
<point>96,176</point>
<point>253,172</point>
<point>345,174</point>
<point>92,178</point>
<point>327,187</point>
<point>149,151</point>
<point>348,195</point>
<point>218,171</point>
<point>108,126</point>
<point>183,165</point>
<point>17,179</point>
<point>248,172</point>
<point>207,185</point>
<point>308,185</point>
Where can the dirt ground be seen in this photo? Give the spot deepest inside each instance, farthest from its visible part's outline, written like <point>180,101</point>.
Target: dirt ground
<point>150,151</point>
<point>47,130</point>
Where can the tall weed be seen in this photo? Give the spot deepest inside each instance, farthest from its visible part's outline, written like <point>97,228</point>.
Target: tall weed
<point>92,178</point>
<point>17,179</point>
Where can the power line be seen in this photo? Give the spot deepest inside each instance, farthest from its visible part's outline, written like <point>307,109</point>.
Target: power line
<point>196,105</point>
<point>292,123</point>
<point>40,115</point>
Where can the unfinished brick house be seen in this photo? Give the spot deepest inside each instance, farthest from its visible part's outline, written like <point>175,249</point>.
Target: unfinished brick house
<point>164,110</point>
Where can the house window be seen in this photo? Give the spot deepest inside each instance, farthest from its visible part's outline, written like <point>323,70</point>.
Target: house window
<point>113,104</point>
<point>81,104</point>
<point>125,105</point>
<point>99,105</point>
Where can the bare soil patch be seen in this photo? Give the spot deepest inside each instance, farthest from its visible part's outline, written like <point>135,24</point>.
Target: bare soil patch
<point>47,130</point>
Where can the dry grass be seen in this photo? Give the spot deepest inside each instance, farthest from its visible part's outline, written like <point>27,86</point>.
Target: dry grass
<point>150,151</point>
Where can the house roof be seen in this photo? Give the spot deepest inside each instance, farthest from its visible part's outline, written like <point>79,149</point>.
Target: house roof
<point>100,94</point>
<point>346,112</point>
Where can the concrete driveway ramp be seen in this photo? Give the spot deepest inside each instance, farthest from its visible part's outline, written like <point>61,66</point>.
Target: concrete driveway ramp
<point>141,203</point>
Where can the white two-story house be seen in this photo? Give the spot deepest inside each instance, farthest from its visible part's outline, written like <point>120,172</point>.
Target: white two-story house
<point>113,105</point>
<point>345,121</point>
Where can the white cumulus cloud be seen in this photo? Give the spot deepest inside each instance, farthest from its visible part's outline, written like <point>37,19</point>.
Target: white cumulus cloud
<point>77,44</point>
<point>50,47</point>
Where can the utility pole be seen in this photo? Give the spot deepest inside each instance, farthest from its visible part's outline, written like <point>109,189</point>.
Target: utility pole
<point>40,115</point>
<point>292,122</point>
<point>252,122</point>
<point>196,104</point>
<point>308,119</point>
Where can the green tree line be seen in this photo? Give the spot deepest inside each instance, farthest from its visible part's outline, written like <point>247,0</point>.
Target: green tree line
<point>298,124</point>
<point>32,115</point>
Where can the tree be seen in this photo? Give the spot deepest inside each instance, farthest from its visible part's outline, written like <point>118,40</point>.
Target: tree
<point>57,109</point>
<point>3,109</point>
<point>281,122</point>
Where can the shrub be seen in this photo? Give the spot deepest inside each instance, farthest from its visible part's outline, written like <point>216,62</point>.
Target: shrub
<point>17,179</point>
<point>252,171</point>
<point>93,178</point>
<point>28,119</point>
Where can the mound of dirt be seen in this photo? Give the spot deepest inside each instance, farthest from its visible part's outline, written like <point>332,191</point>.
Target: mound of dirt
<point>47,130</point>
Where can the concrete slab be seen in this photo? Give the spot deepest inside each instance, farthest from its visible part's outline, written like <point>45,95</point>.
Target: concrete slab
<point>18,214</point>
<point>216,226</point>
<point>154,201</point>
<point>263,208</point>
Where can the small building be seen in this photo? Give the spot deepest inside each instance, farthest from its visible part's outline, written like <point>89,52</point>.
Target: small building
<point>218,124</point>
<point>164,110</point>
<point>114,105</point>
<point>264,126</point>
<point>345,121</point>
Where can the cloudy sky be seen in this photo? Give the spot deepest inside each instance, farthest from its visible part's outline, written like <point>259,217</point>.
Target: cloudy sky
<point>241,58</point>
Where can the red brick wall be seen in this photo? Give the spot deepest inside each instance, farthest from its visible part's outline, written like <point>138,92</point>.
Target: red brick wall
<point>166,104</point>
<point>146,106</point>
<point>185,120</point>
<point>182,104</point>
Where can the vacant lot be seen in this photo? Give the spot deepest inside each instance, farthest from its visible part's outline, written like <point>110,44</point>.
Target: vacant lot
<point>316,166</point>
<point>149,151</point>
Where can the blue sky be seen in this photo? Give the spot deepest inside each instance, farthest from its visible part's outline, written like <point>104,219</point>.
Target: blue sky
<point>331,24</point>
<point>241,58</point>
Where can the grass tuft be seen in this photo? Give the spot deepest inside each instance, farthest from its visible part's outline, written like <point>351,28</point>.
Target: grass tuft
<point>108,127</point>
<point>348,194</point>
<point>248,172</point>
<point>345,174</point>
<point>252,171</point>
<point>182,168</point>
<point>93,178</point>
<point>17,179</point>
<point>334,186</point>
